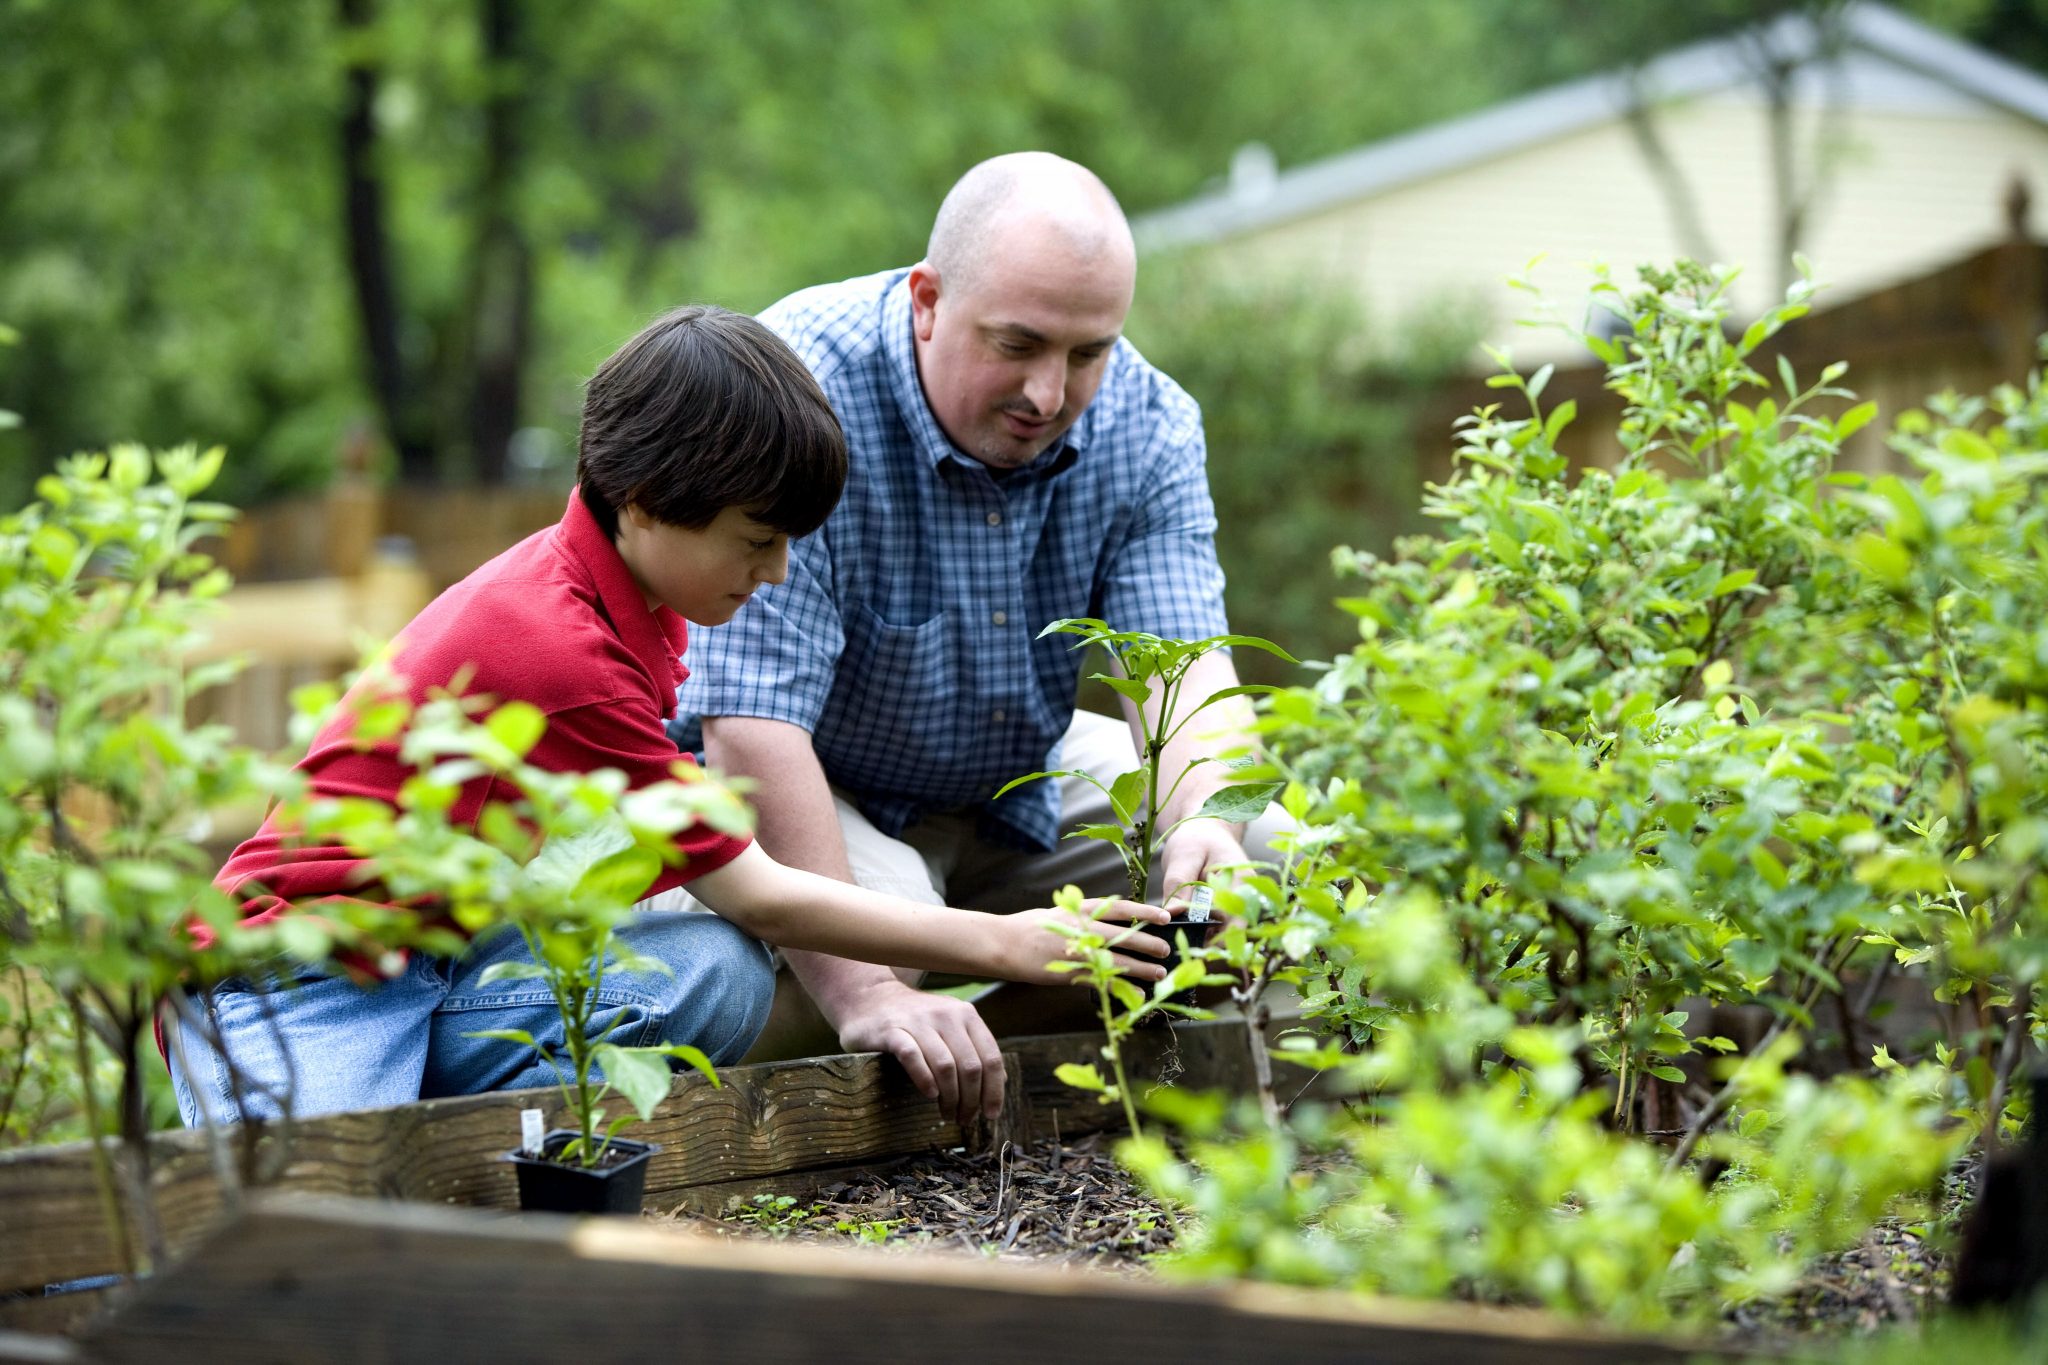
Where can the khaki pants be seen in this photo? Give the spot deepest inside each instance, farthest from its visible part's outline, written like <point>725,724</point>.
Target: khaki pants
<point>941,860</point>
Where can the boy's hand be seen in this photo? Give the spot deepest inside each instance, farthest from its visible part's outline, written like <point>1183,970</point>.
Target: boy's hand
<point>1037,944</point>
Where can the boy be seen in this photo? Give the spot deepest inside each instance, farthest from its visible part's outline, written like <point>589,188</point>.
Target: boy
<point>705,447</point>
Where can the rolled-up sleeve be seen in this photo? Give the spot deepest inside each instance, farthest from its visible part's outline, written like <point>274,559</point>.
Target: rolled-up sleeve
<point>1163,577</point>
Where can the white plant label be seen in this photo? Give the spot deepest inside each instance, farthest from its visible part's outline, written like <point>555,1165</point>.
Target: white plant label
<point>1199,901</point>
<point>532,1131</point>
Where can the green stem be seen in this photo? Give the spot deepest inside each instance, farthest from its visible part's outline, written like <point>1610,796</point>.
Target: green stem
<point>1111,1049</point>
<point>102,1167</point>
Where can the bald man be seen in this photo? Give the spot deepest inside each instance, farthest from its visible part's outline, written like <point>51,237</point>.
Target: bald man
<point>1013,461</point>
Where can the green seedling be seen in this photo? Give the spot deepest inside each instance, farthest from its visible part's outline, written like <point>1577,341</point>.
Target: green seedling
<point>1150,672</point>
<point>1120,1003</point>
<point>562,862</point>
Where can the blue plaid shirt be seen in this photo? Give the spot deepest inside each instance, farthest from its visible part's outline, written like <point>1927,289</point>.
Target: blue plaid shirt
<point>905,639</point>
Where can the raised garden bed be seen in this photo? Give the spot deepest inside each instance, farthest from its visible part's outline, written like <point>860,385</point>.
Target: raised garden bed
<point>297,1273</point>
<point>784,1127</point>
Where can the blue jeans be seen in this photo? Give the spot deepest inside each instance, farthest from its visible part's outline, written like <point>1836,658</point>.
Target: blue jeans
<point>331,1045</point>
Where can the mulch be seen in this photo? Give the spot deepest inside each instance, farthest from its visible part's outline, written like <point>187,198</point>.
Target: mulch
<point>1071,1203</point>
<point>1065,1203</point>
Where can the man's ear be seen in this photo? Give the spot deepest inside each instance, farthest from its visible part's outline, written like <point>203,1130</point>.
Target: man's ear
<point>924,299</point>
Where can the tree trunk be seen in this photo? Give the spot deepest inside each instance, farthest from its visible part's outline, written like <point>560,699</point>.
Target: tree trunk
<point>500,296</point>
<point>369,255</point>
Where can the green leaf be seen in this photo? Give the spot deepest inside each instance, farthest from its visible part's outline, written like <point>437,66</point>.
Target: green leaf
<point>1240,804</point>
<point>1249,642</point>
<point>1560,417</point>
<point>1854,420</point>
<point>1017,782</point>
<point>640,1074</point>
<point>620,879</point>
<point>517,725</point>
<point>1131,688</point>
<point>511,971</point>
<point>1126,792</point>
<point>695,1059</point>
<point>1768,866</point>
<point>1730,582</point>
<point>1079,1076</point>
<point>1885,560</point>
<point>1668,1073</point>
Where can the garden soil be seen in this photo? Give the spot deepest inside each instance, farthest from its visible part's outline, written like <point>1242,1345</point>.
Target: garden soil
<point>1070,1203</point>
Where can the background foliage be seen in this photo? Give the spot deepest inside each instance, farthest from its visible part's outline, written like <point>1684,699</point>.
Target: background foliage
<point>201,198</point>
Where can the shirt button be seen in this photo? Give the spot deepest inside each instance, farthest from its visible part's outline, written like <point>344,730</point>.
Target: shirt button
<point>1001,618</point>
<point>995,518</point>
<point>998,717</point>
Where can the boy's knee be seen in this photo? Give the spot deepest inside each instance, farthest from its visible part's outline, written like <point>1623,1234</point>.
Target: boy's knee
<point>723,986</point>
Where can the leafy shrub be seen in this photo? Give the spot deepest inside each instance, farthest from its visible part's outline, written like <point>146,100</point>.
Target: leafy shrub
<point>104,788</point>
<point>1484,1168</point>
<point>1718,726</point>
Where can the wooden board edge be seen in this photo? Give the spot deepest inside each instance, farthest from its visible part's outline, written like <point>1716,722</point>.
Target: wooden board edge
<point>292,1269</point>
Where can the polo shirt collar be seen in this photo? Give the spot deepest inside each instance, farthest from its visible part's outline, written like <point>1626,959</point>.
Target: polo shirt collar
<point>926,436</point>
<point>656,638</point>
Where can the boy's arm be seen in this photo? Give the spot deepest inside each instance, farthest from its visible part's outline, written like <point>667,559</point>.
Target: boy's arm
<point>786,905</point>
<point>942,1043</point>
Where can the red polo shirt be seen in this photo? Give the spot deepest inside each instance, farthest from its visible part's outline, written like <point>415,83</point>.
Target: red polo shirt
<point>557,621</point>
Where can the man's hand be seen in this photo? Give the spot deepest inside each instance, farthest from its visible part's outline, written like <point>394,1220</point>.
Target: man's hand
<point>944,1045</point>
<point>1192,852</point>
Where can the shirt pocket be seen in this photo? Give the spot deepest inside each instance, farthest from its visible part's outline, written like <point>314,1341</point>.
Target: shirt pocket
<point>899,702</point>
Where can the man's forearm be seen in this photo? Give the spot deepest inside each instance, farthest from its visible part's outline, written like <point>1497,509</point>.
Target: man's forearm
<point>797,824</point>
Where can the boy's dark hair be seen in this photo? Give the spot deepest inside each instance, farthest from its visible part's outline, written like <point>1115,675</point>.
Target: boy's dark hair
<point>707,409</point>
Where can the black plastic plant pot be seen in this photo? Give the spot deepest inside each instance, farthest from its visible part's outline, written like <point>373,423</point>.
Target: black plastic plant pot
<point>1197,931</point>
<point>616,1185</point>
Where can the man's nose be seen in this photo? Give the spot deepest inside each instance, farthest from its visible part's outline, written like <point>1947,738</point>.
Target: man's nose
<point>775,566</point>
<point>1045,388</point>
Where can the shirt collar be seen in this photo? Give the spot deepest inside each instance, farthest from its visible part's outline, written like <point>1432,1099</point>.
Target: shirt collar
<point>926,436</point>
<point>656,638</point>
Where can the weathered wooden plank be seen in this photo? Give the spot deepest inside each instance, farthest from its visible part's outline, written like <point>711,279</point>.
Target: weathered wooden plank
<point>315,1281</point>
<point>35,1348</point>
<point>769,1120</point>
<point>775,1118</point>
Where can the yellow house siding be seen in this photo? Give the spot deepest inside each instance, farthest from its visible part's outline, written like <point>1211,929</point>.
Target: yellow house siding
<point>1912,190</point>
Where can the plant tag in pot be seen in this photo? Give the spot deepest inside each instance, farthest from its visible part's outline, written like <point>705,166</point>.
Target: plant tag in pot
<point>531,1131</point>
<point>1199,902</point>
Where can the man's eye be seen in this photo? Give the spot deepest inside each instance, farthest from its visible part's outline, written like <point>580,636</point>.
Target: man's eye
<point>1013,348</point>
<point>759,545</point>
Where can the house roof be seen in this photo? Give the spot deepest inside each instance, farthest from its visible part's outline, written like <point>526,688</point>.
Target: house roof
<point>1888,56</point>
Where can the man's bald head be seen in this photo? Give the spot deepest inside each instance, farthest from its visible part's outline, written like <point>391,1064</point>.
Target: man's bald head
<point>1025,196</point>
<point>1017,308</point>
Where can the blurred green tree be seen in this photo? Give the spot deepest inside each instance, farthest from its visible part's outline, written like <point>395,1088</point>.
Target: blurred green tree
<point>312,225</point>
